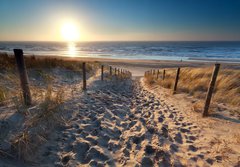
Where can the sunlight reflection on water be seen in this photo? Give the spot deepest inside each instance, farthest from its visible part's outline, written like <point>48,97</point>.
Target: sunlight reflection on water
<point>193,51</point>
<point>72,50</point>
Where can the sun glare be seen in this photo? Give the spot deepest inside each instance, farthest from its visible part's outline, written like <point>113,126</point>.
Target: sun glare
<point>72,49</point>
<point>70,32</point>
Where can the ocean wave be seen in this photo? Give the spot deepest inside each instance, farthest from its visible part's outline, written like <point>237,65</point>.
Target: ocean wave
<point>133,50</point>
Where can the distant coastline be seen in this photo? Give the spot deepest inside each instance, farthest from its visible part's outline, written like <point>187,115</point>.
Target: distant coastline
<point>223,51</point>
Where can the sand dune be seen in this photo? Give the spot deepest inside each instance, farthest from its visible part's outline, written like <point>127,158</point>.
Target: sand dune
<point>126,123</point>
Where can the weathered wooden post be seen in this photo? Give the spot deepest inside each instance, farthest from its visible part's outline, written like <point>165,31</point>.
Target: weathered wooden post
<point>23,76</point>
<point>110,70</point>
<point>210,89</point>
<point>176,81</point>
<point>115,71</point>
<point>102,68</point>
<point>84,76</point>
<point>164,74</point>
<point>157,74</point>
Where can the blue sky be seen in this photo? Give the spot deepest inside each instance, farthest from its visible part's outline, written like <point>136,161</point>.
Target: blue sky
<point>113,20</point>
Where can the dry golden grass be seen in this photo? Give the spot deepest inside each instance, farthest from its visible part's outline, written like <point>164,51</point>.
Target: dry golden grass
<point>8,83</point>
<point>195,81</point>
<point>48,77</point>
<point>39,125</point>
<point>46,113</point>
<point>2,94</point>
<point>39,69</point>
<point>7,62</point>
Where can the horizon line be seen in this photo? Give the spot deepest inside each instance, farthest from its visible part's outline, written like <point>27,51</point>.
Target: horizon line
<point>126,41</point>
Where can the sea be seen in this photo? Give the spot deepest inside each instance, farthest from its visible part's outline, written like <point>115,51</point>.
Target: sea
<point>180,51</point>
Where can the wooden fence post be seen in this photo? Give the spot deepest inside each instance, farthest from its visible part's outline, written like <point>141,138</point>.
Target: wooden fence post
<point>176,81</point>
<point>210,89</point>
<point>157,74</point>
<point>110,70</point>
<point>23,76</point>
<point>102,67</point>
<point>84,76</point>
<point>164,74</point>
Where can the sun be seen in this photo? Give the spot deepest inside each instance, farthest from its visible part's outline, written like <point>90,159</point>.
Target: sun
<point>70,32</point>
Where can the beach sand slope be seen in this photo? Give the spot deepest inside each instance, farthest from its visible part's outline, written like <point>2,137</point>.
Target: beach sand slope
<point>124,123</point>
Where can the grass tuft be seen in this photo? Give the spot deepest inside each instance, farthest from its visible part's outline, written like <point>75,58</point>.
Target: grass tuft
<point>195,81</point>
<point>39,125</point>
<point>7,62</point>
<point>2,94</point>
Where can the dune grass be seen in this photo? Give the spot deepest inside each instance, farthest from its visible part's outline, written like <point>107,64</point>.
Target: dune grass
<point>195,81</point>
<point>50,80</point>
<point>7,62</point>
<point>38,125</point>
<point>2,94</point>
<point>39,70</point>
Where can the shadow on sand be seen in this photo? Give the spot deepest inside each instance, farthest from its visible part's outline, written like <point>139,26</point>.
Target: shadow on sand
<point>225,118</point>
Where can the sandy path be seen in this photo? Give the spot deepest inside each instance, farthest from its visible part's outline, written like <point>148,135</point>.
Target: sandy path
<point>217,140</point>
<point>160,134</point>
<point>119,123</point>
<point>94,129</point>
<point>122,123</point>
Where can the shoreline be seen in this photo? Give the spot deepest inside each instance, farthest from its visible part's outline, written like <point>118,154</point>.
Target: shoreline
<point>113,59</point>
<point>139,66</point>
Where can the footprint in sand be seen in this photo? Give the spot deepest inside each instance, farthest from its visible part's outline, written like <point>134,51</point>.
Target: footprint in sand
<point>178,138</point>
<point>81,148</point>
<point>192,148</point>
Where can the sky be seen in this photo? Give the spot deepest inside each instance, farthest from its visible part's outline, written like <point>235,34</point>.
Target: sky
<point>120,20</point>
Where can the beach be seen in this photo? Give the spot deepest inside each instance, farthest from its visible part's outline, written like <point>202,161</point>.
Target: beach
<point>116,122</point>
<point>128,83</point>
<point>138,67</point>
